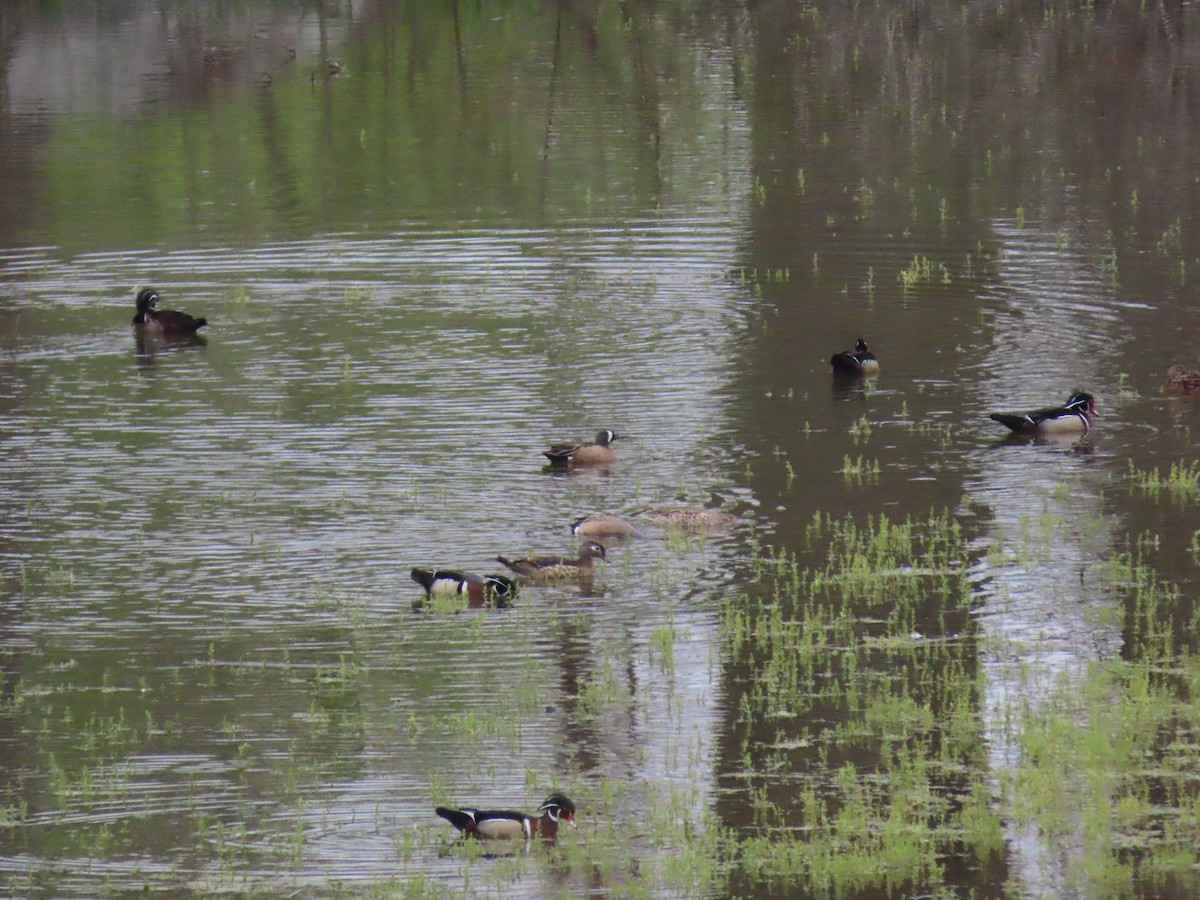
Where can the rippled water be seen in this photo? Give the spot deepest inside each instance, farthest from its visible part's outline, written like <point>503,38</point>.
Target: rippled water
<point>246,507</point>
<point>487,233</point>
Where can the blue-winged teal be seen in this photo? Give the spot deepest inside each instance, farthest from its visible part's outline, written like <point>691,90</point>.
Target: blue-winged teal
<point>592,453</point>
<point>1181,380</point>
<point>558,568</point>
<point>603,525</point>
<point>859,361</point>
<point>495,589</point>
<point>504,824</point>
<point>167,321</point>
<point>1073,416</point>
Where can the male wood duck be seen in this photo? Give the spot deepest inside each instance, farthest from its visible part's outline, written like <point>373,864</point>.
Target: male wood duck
<point>689,518</point>
<point>597,451</point>
<point>859,361</point>
<point>165,321</point>
<point>1181,380</point>
<point>498,590</point>
<point>507,825</point>
<point>558,568</point>
<point>603,525</point>
<point>1073,416</point>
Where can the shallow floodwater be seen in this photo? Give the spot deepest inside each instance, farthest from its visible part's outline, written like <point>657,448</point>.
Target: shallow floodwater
<point>430,242</point>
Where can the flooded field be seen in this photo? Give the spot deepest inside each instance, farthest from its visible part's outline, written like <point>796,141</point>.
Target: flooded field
<point>927,658</point>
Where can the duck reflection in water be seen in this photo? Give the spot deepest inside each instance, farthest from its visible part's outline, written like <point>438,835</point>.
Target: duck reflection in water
<point>1084,443</point>
<point>149,345</point>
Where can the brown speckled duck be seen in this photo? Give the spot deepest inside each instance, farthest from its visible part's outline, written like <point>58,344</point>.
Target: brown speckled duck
<point>689,518</point>
<point>558,568</point>
<point>1181,380</point>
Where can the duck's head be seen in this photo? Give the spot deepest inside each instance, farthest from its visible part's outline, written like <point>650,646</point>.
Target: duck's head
<point>559,808</point>
<point>1082,401</point>
<point>593,549</point>
<point>147,299</point>
<point>501,587</point>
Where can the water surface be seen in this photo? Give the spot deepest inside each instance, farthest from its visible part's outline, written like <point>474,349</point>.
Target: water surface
<point>428,243</point>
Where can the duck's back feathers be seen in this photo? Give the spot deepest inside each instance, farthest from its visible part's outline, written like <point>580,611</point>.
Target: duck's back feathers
<point>462,819</point>
<point>690,518</point>
<point>173,321</point>
<point>859,361</point>
<point>603,525</point>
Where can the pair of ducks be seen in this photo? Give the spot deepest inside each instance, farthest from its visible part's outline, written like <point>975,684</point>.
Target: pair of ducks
<point>499,590</point>
<point>1073,417</point>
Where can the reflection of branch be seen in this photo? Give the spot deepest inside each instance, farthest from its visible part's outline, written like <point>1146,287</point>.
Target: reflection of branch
<point>458,54</point>
<point>646,98</point>
<point>553,83</point>
<point>291,51</point>
<point>265,78</point>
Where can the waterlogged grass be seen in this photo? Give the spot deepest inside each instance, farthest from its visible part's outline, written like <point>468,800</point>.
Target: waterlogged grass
<point>856,731</point>
<point>1110,759</point>
<point>1181,482</point>
<point>859,470</point>
<point>851,760</point>
<point>923,271</point>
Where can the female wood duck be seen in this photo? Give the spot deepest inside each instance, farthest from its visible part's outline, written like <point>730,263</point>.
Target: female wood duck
<point>165,321</point>
<point>507,825</point>
<point>689,518</point>
<point>592,453</point>
<point>603,525</point>
<point>1074,416</point>
<point>498,590</point>
<point>1181,380</point>
<point>558,568</point>
<point>859,361</point>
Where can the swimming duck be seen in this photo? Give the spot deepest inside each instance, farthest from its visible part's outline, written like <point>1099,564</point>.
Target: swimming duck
<point>495,589</point>
<point>603,525</point>
<point>558,568</point>
<point>859,361</point>
<point>1181,380</point>
<point>689,518</point>
<point>597,451</point>
<point>507,825</point>
<point>166,321</point>
<point>1073,416</point>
